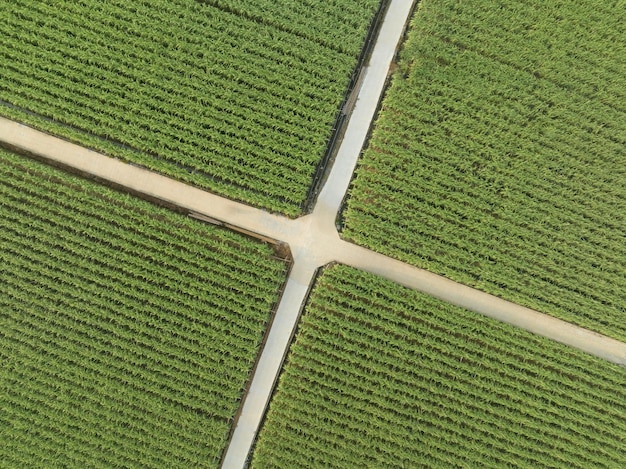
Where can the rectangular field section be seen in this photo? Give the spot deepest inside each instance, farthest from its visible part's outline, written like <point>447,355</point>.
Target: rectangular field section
<point>238,97</point>
<point>498,158</point>
<point>127,331</point>
<point>383,376</point>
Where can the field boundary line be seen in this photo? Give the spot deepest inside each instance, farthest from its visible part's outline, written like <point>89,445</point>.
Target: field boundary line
<point>269,365</point>
<point>313,238</point>
<point>456,293</point>
<point>345,109</point>
<point>142,181</point>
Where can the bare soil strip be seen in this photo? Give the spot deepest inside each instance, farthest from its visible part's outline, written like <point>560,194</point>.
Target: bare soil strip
<point>369,95</point>
<point>138,180</point>
<point>268,367</point>
<point>313,239</point>
<point>483,303</point>
<point>314,242</point>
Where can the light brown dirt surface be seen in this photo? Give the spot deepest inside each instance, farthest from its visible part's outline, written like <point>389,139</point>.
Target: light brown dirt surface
<point>313,239</point>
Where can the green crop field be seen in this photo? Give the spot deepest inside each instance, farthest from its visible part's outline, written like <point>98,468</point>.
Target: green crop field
<point>499,156</point>
<point>237,97</point>
<point>127,331</point>
<point>383,376</point>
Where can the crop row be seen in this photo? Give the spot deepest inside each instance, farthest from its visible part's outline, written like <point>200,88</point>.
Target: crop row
<point>501,178</point>
<point>329,24</point>
<point>575,45</point>
<point>237,102</point>
<point>128,331</point>
<point>380,375</point>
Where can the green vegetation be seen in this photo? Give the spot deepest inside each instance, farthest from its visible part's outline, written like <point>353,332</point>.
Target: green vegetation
<point>383,376</point>
<point>127,331</point>
<point>237,97</point>
<point>499,156</point>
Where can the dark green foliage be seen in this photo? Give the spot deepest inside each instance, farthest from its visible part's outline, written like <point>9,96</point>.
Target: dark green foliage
<point>499,156</point>
<point>383,376</point>
<point>127,332</point>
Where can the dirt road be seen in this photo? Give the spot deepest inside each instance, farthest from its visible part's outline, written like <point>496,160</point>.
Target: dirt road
<point>313,239</point>
<point>483,303</point>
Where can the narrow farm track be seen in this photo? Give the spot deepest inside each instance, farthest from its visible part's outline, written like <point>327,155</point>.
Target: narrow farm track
<point>313,239</point>
<point>314,242</point>
<point>268,366</point>
<point>475,300</point>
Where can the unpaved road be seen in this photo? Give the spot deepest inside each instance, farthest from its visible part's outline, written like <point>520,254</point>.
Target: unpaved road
<point>269,364</point>
<point>314,242</point>
<point>369,95</point>
<point>483,303</point>
<point>140,180</point>
<point>313,239</point>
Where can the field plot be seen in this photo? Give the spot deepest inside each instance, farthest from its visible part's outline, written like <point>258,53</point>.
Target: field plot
<point>235,97</point>
<point>499,156</point>
<point>383,376</point>
<point>127,331</point>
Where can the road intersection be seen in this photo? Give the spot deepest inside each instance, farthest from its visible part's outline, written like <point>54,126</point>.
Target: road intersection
<point>313,239</point>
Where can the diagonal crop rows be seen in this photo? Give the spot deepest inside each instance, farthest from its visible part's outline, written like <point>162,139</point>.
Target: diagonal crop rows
<point>235,98</point>
<point>498,159</point>
<point>378,375</point>
<point>383,376</point>
<point>128,331</point>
